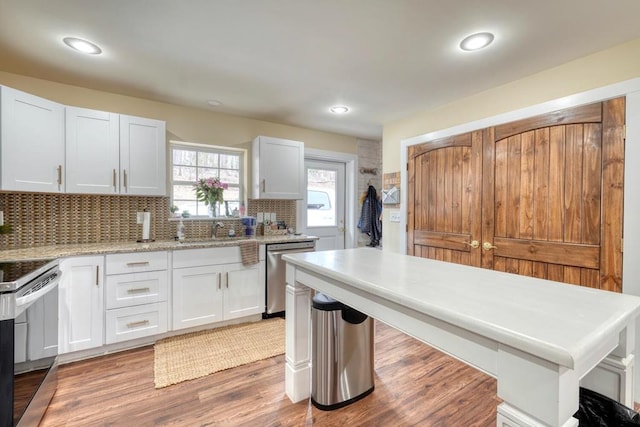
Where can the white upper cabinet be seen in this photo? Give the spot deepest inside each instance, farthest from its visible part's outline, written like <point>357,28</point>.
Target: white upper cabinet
<point>32,143</point>
<point>278,168</point>
<point>47,147</point>
<point>142,156</point>
<point>92,151</point>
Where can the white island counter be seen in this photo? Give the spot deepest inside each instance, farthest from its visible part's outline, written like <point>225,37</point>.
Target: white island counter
<point>541,340</point>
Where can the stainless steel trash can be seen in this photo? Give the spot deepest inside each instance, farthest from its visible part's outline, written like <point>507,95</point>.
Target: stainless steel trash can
<point>341,354</point>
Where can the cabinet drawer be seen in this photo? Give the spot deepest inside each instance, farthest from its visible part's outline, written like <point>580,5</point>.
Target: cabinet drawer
<point>128,323</point>
<point>206,256</point>
<point>136,262</point>
<point>125,290</point>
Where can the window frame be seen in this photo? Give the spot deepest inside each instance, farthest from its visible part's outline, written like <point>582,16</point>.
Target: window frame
<point>205,148</point>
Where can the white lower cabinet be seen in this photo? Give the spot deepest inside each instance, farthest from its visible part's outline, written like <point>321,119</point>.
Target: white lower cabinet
<point>20,339</point>
<point>197,296</point>
<point>223,290</point>
<point>120,297</point>
<point>243,292</point>
<point>80,304</point>
<point>136,296</point>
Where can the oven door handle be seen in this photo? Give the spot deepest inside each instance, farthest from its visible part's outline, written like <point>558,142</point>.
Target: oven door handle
<point>291,251</point>
<point>25,301</point>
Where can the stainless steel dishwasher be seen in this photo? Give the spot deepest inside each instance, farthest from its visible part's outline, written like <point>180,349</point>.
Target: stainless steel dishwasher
<point>276,280</point>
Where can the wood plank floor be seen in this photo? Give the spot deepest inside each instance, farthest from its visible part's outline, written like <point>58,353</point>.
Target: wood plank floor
<point>415,386</point>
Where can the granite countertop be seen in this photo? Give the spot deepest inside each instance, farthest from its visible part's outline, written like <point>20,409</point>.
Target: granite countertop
<point>61,251</point>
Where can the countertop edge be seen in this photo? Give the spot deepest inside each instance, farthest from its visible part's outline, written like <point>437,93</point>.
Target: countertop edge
<point>62,251</point>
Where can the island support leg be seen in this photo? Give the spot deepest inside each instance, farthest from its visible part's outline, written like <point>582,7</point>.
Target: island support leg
<point>535,392</point>
<point>298,339</point>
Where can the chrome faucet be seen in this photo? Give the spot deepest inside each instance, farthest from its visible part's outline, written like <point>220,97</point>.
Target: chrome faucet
<point>214,229</point>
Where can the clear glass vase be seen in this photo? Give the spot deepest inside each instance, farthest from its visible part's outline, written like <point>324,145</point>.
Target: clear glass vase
<point>214,209</point>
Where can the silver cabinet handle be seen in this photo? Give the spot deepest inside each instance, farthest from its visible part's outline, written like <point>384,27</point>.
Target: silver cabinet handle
<point>97,275</point>
<point>226,278</point>
<point>219,280</point>
<point>114,180</point>
<point>59,174</point>
<point>264,185</point>
<point>138,264</point>
<point>138,323</point>
<point>137,290</point>
<point>124,172</point>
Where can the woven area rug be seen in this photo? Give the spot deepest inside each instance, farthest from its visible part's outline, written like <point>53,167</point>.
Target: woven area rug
<point>197,354</point>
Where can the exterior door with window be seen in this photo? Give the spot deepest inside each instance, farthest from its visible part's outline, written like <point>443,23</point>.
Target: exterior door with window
<point>324,201</point>
<point>539,197</point>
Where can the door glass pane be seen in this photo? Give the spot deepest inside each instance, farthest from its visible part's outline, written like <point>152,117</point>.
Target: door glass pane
<point>321,198</point>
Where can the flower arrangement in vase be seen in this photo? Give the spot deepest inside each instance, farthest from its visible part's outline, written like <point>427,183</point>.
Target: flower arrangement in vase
<point>210,191</point>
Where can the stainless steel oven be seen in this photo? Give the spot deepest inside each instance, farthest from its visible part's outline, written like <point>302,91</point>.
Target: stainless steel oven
<point>28,340</point>
<point>276,281</point>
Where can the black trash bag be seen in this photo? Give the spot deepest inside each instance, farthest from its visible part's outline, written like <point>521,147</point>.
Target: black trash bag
<point>597,410</point>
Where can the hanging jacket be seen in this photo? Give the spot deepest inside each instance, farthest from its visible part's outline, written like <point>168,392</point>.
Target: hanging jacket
<point>370,223</point>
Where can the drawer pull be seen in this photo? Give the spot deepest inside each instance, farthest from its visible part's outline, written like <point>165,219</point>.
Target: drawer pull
<point>138,323</point>
<point>137,290</point>
<point>137,264</point>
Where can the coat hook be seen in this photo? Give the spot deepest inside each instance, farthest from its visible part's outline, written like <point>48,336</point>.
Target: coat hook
<point>370,171</point>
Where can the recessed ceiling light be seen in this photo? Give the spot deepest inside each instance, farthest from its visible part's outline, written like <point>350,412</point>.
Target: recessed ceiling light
<point>83,46</point>
<point>214,103</point>
<point>476,41</point>
<point>339,109</point>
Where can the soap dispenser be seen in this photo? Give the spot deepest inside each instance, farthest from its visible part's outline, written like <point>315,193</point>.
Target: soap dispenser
<point>180,231</point>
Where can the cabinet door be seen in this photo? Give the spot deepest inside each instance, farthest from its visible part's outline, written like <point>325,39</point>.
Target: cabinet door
<point>43,327</point>
<point>32,143</point>
<point>20,339</point>
<point>92,151</point>
<point>80,309</point>
<point>142,156</point>
<point>243,291</point>
<point>197,296</point>
<point>278,169</point>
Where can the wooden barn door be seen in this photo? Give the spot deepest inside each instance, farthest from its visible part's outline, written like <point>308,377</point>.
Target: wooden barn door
<point>551,191</point>
<point>444,184</point>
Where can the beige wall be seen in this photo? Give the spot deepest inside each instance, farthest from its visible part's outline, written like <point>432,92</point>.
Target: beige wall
<point>183,123</point>
<point>613,65</point>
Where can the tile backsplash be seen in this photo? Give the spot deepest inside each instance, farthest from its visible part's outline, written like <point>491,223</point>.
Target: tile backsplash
<point>39,219</point>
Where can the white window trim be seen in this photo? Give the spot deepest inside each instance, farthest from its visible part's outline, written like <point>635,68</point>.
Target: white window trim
<point>210,148</point>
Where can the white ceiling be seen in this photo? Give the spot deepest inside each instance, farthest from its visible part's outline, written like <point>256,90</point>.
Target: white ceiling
<point>288,61</point>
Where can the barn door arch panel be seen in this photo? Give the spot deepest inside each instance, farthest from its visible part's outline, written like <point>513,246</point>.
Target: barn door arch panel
<point>550,190</point>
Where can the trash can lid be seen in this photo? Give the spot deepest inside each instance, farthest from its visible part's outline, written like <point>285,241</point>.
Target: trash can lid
<point>326,303</point>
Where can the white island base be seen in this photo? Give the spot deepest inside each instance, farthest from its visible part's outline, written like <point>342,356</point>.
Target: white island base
<point>541,340</point>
